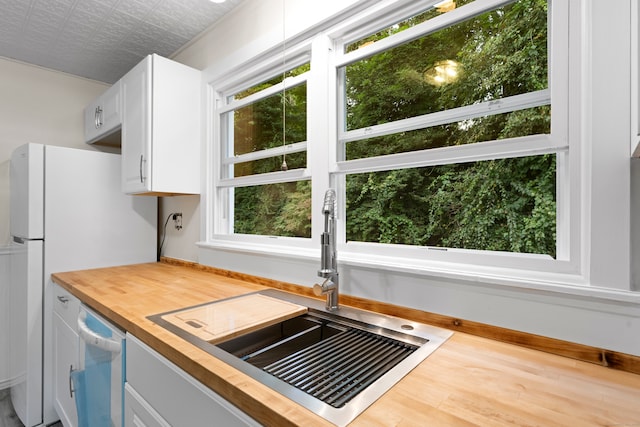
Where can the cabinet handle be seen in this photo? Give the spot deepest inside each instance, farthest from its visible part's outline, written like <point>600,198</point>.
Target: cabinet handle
<point>71,390</point>
<point>141,178</point>
<point>98,117</point>
<point>63,299</point>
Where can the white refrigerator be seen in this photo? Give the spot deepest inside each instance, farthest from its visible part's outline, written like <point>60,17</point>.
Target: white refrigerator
<point>67,213</point>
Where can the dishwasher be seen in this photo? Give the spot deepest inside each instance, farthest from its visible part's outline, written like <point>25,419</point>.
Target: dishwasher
<point>98,384</point>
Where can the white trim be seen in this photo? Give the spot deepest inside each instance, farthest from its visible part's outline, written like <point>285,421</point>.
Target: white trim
<point>244,243</point>
<point>321,125</point>
<point>453,115</point>
<point>296,147</point>
<point>265,178</point>
<point>287,83</point>
<point>498,149</point>
<point>562,284</point>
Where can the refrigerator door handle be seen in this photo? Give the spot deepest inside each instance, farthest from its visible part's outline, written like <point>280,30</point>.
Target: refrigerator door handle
<point>141,177</point>
<point>96,339</point>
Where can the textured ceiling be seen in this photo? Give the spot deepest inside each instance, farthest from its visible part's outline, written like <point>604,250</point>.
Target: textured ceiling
<point>101,39</point>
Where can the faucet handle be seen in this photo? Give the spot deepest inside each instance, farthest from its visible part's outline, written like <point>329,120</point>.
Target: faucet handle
<point>327,286</point>
<point>317,290</point>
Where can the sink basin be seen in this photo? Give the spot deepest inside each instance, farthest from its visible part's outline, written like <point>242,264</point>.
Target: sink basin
<point>335,364</point>
<point>271,344</point>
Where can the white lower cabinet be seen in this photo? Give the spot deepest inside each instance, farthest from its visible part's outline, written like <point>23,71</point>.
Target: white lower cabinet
<point>65,354</point>
<point>138,413</point>
<point>158,393</point>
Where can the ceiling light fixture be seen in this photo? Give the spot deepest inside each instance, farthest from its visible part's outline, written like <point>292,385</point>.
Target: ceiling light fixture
<point>217,1</point>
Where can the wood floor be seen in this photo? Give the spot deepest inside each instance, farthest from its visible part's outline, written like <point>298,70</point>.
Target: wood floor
<point>8,417</point>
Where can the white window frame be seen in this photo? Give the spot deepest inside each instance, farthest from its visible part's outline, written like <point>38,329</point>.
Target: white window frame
<point>219,92</point>
<point>568,226</point>
<point>326,170</point>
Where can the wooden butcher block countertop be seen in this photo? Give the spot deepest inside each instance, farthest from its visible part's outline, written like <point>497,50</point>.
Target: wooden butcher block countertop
<point>468,381</point>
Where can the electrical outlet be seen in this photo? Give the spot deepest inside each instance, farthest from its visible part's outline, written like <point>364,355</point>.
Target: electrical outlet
<point>177,220</point>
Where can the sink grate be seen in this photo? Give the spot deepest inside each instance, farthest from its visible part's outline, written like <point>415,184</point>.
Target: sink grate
<point>336,369</point>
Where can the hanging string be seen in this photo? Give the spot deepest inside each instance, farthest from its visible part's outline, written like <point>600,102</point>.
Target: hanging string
<point>284,166</point>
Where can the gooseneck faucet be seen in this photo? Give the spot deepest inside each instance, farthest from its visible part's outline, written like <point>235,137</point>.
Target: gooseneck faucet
<point>328,259</point>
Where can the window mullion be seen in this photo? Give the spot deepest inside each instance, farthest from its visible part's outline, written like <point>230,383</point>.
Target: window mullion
<point>568,225</point>
<point>500,149</point>
<point>265,178</point>
<point>321,126</point>
<point>265,154</point>
<point>498,106</point>
<point>289,83</point>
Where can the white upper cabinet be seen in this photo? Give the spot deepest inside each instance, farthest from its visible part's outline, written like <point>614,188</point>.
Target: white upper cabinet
<point>103,117</point>
<point>161,128</point>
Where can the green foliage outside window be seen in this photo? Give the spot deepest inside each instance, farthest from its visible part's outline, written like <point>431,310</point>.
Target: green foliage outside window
<point>274,209</point>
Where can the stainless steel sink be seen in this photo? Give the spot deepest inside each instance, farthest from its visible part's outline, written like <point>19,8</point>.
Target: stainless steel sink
<point>335,364</point>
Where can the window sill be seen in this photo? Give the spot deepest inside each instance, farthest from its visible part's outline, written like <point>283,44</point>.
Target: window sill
<point>487,277</point>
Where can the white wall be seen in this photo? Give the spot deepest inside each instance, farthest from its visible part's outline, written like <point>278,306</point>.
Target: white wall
<point>41,106</point>
<point>180,244</point>
<point>603,313</point>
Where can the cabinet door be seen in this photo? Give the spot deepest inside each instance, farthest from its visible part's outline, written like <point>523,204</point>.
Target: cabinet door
<point>103,116</point>
<point>136,128</point>
<point>65,359</point>
<point>138,413</point>
<point>177,397</point>
<point>91,127</point>
<point>111,116</point>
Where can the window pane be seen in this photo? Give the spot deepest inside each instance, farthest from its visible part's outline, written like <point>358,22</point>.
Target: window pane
<point>499,205</point>
<point>509,125</point>
<point>273,210</point>
<point>259,125</point>
<point>491,56</point>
